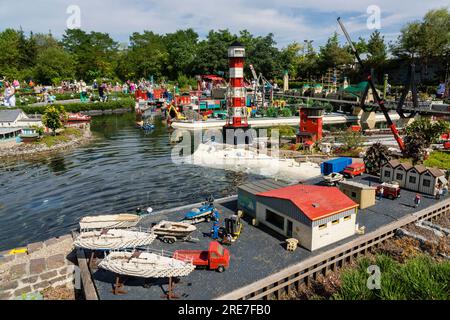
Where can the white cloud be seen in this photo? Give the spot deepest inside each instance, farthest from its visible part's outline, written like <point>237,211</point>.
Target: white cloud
<point>289,20</point>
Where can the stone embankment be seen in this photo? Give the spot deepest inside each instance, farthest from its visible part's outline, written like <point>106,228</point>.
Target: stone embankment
<point>37,149</point>
<point>43,265</point>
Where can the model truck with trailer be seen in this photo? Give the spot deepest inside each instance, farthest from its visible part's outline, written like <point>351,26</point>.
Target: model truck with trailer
<point>335,165</point>
<point>215,258</point>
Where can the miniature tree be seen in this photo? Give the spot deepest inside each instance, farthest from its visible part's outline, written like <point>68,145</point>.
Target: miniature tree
<point>376,155</point>
<point>54,118</point>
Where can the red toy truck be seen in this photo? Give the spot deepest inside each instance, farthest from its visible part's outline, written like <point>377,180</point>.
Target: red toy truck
<point>354,170</point>
<point>390,190</point>
<point>216,258</point>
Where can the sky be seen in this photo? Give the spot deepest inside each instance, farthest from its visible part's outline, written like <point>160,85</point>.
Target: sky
<point>288,20</point>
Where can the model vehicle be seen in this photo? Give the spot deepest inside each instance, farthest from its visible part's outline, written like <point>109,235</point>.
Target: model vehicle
<point>390,190</point>
<point>333,178</point>
<point>169,231</point>
<point>334,165</point>
<point>206,212</point>
<point>215,258</point>
<point>354,170</point>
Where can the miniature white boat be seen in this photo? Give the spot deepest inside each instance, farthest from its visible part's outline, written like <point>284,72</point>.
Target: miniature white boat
<point>145,265</point>
<point>113,239</point>
<point>111,221</point>
<point>174,229</point>
<point>217,155</point>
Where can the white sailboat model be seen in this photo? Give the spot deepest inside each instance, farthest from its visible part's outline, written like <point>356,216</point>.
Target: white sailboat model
<point>110,221</point>
<point>145,265</point>
<point>113,239</point>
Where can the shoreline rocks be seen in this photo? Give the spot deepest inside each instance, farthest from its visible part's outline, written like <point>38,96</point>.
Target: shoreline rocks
<point>39,150</point>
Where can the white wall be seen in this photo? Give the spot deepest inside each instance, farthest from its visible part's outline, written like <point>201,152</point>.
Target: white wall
<point>433,182</point>
<point>400,170</point>
<point>333,233</point>
<point>414,186</point>
<point>382,175</point>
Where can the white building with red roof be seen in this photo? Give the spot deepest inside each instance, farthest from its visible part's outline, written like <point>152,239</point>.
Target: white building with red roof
<point>315,215</point>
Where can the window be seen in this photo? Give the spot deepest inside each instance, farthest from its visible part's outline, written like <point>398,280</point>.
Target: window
<point>399,176</point>
<point>322,226</point>
<point>346,218</point>
<point>412,179</point>
<point>426,183</point>
<point>335,221</point>
<point>275,219</point>
<point>387,174</point>
<point>353,194</point>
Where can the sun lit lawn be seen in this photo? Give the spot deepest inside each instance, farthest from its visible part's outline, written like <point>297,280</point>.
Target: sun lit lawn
<point>438,159</point>
<point>64,136</point>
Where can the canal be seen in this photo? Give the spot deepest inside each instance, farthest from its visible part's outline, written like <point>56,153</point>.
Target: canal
<point>123,168</point>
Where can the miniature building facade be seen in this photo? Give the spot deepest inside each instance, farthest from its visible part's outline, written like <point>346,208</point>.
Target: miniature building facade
<point>360,193</point>
<point>416,178</point>
<point>303,212</point>
<point>311,123</point>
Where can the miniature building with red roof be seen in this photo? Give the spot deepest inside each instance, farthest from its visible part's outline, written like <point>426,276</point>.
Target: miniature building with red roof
<point>315,215</point>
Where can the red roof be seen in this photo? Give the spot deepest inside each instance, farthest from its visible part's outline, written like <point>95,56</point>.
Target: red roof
<point>316,202</point>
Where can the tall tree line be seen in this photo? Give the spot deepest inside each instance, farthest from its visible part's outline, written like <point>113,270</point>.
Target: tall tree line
<point>182,55</point>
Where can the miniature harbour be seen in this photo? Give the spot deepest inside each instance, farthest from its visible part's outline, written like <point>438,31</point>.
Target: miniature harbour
<point>256,255</point>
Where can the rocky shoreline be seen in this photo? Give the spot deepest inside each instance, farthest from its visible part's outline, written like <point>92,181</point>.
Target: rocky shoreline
<point>32,150</point>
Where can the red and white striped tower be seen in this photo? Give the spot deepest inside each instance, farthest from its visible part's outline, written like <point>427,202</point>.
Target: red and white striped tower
<point>237,110</point>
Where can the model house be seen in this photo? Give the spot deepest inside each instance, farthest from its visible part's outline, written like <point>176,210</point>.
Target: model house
<point>16,118</point>
<point>416,178</point>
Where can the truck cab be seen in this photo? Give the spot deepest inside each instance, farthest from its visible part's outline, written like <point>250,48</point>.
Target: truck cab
<point>354,170</point>
<point>215,258</point>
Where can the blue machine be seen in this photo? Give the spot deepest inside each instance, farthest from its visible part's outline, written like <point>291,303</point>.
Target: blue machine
<point>205,212</point>
<point>334,165</point>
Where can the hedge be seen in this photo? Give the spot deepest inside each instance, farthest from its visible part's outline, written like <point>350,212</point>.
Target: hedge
<point>86,106</point>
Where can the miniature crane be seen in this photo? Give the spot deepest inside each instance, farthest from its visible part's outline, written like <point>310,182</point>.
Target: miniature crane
<point>377,97</point>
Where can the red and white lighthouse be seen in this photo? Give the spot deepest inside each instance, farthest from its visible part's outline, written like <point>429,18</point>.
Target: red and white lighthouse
<point>237,110</point>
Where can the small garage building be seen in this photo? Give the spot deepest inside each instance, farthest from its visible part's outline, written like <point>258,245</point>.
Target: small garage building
<point>361,193</point>
<point>315,215</point>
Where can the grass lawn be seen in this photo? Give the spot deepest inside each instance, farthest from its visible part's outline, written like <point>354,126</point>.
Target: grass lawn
<point>438,159</point>
<point>64,136</point>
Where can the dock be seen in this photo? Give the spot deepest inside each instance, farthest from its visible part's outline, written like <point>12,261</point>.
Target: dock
<point>333,118</point>
<point>259,264</point>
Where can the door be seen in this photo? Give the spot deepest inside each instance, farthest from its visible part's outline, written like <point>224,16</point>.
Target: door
<point>289,228</point>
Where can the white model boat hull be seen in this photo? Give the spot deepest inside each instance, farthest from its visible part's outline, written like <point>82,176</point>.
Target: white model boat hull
<point>112,221</point>
<point>173,229</point>
<point>222,156</point>
<point>113,239</point>
<point>147,265</point>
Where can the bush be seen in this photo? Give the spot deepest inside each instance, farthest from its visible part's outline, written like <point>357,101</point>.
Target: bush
<point>87,106</point>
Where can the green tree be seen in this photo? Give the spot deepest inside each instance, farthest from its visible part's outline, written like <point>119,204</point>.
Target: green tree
<point>425,39</point>
<point>420,135</point>
<point>376,155</point>
<point>377,50</point>
<point>333,55</point>
<point>212,52</point>
<point>148,54</point>
<point>53,118</point>
<point>351,140</point>
<point>54,64</point>
<point>95,53</point>
<point>9,44</point>
<point>182,51</point>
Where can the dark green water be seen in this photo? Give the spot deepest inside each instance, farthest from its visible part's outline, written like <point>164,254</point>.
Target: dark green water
<point>123,169</point>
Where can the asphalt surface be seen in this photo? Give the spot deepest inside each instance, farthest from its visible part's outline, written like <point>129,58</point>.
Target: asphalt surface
<point>257,254</point>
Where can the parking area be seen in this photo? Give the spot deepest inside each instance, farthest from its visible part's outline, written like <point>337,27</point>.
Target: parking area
<point>258,252</point>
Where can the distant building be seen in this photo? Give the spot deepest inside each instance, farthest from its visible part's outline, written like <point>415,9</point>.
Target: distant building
<point>311,123</point>
<point>315,215</point>
<point>16,118</point>
<point>359,192</point>
<point>9,136</point>
<point>416,178</point>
